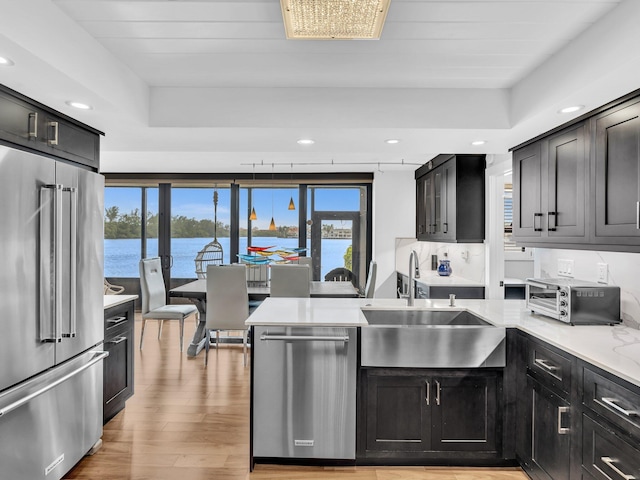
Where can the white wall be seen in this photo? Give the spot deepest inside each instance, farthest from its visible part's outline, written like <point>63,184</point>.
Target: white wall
<point>623,269</point>
<point>394,208</point>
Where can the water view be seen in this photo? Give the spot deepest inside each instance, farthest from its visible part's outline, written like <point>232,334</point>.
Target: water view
<point>121,256</point>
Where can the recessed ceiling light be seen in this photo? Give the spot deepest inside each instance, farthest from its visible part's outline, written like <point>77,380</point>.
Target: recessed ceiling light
<point>5,62</point>
<point>478,142</point>
<point>306,141</point>
<point>79,105</point>
<point>392,141</point>
<point>573,108</point>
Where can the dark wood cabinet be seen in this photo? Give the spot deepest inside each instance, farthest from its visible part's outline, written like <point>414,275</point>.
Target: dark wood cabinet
<point>550,447</point>
<point>450,199</point>
<point>29,124</point>
<point>578,186</point>
<point>398,417</point>
<point>418,415</point>
<point>617,174</point>
<point>118,366</point>
<point>547,435</point>
<point>550,178</point>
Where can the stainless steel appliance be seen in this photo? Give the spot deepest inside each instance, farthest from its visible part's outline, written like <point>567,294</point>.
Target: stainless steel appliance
<point>304,392</point>
<point>574,301</point>
<point>51,318</point>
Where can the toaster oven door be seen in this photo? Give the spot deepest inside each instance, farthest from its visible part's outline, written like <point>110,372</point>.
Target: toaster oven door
<point>543,299</point>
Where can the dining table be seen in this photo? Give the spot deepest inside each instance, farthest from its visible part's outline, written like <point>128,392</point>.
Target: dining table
<point>196,292</point>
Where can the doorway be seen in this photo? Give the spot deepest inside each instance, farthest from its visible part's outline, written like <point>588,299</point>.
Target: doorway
<point>335,240</point>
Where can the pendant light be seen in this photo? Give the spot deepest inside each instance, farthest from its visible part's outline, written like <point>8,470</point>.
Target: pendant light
<point>272,225</point>
<point>253,215</point>
<point>292,206</point>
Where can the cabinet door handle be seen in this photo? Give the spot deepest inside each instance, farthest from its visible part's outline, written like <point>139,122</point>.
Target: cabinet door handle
<point>535,216</point>
<point>428,391</point>
<point>33,132</point>
<point>117,340</point>
<point>54,140</point>
<point>562,430</point>
<point>611,463</point>
<point>611,402</point>
<point>543,363</point>
<point>437,392</point>
<point>555,221</point>
<point>445,226</point>
<point>638,215</point>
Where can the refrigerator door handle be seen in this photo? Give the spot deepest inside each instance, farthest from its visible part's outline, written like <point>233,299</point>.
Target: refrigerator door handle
<point>73,250</point>
<point>97,356</point>
<point>50,273</point>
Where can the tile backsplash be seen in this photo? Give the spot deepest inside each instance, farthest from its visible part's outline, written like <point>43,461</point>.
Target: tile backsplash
<point>622,270</point>
<point>470,268</point>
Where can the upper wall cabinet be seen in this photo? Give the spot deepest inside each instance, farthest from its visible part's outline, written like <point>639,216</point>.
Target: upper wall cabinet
<point>617,175</point>
<point>549,179</point>
<point>28,124</point>
<point>450,199</point>
<point>578,186</point>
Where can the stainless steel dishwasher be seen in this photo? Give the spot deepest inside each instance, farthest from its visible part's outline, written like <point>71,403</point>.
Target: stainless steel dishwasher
<point>304,392</point>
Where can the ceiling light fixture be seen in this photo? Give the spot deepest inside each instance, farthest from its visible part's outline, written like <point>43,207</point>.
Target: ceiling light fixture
<point>392,141</point>
<point>478,142</point>
<point>573,108</point>
<point>252,215</point>
<point>305,141</point>
<point>334,19</point>
<point>5,62</point>
<point>79,105</point>
<point>272,225</point>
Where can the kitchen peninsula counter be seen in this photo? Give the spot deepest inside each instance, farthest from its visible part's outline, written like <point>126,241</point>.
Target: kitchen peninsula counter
<point>614,349</point>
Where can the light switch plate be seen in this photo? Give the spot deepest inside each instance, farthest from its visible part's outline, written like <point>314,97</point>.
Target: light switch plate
<point>565,268</point>
<point>603,273</point>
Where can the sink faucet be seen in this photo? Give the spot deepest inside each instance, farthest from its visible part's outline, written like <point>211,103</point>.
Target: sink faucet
<point>414,272</point>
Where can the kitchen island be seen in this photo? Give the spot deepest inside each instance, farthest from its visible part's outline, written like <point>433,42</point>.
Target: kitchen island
<point>603,353</point>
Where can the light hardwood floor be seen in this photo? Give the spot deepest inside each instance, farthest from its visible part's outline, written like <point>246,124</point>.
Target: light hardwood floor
<point>186,422</point>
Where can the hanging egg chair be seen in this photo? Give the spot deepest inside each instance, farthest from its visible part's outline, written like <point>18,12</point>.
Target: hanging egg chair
<point>211,254</point>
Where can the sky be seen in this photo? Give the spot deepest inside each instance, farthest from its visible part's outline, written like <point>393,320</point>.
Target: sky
<point>198,203</point>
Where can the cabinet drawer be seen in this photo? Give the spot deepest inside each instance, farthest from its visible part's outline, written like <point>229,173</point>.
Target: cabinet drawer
<point>605,455</point>
<point>616,403</point>
<point>115,323</point>
<point>549,367</point>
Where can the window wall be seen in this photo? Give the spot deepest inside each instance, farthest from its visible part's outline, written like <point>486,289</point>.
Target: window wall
<point>181,219</point>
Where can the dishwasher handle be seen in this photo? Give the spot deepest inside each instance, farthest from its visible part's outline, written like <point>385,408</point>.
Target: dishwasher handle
<point>305,338</point>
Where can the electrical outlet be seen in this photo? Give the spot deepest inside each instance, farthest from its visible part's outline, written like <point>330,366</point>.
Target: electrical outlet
<point>565,268</point>
<point>603,270</point>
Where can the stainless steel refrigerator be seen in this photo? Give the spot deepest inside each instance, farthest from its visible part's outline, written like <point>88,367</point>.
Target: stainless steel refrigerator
<point>51,314</point>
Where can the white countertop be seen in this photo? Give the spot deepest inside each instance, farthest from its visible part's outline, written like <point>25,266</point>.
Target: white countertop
<point>614,349</point>
<point>113,300</point>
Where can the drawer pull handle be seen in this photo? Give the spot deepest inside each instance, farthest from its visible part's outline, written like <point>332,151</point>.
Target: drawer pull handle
<point>611,402</point>
<point>543,363</point>
<point>117,340</point>
<point>611,463</point>
<point>562,430</point>
<point>115,321</point>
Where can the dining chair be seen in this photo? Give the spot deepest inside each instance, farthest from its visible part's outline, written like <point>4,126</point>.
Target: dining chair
<point>290,281</point>
<point>227,303</point>
<point>370,286</point>
<point>341,274</point>
<point>309,262</point>
<point>154,303</point>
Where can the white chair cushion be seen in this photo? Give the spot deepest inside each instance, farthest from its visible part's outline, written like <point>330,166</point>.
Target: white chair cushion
<point>171,312</point>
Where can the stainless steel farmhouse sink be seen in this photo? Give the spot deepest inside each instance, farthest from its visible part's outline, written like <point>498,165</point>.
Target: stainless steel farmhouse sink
<point>422,317</point>
<point>430,339</point>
